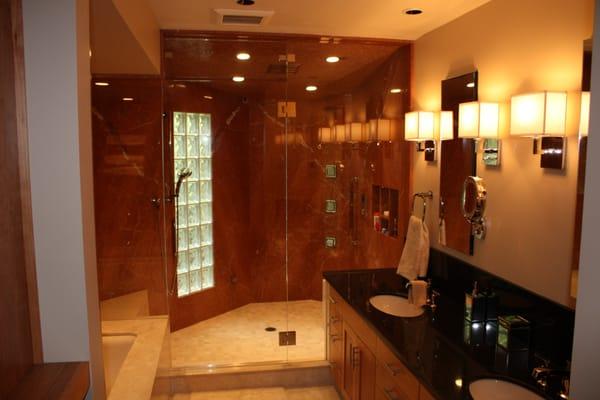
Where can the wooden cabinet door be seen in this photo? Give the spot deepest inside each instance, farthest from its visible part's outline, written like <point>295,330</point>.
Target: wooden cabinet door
<point>359,368</point>
<point>335,342</point>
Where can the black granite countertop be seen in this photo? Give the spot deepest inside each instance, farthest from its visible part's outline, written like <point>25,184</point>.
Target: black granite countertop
<point>443,351</point>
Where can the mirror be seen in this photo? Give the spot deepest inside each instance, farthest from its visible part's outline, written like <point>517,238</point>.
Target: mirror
<point>458,161</point>
<point>473,205</point>
<point>585,87</point>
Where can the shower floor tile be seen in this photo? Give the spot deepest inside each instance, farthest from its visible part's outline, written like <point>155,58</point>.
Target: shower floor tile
<point>239,336</point>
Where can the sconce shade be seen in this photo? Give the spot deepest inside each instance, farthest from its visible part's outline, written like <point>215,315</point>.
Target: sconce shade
<point>418,126</point>
<point>340,133</point>
<point>584,118</point>
<point>325,135</point>
<point>354,132</point>
<point>478,120</point>
<point>538,114</point>
<point>446,125</point>
<point>384,130</point>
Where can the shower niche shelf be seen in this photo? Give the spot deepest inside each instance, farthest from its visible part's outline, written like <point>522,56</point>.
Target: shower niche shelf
<point>385,210</point>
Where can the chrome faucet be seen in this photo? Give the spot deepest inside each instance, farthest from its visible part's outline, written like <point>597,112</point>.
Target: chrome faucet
<point>432,295</point>
<point>552,379</point>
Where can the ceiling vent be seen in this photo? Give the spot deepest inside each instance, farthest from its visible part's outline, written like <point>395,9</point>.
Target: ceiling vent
<point>242,17</point>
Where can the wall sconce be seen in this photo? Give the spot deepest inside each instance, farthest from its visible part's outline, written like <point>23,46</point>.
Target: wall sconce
<point>479,120</point>
<point>446,125</point>
<point>340,133</point>
<point>355,132</point>
<point>380,129</point>
<point>418,127</point>
<point>326,135</point>
<point>541,114</point>
<point>584,117</point>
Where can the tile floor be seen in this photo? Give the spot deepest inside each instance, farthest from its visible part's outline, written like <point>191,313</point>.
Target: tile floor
<point>239,336</point>
<point>278,393</point>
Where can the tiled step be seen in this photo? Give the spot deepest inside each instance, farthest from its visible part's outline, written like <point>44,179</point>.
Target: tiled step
<point>274,393</point>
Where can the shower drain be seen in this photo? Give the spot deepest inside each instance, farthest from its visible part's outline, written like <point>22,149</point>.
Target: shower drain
<point>270,329</point>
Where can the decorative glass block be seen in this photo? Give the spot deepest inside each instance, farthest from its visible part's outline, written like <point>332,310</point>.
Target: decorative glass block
<point>179,123</point>
<point>206,191</point>
<point>193,215</point>
<point>179,145</point>
<point>194,259</point>
<point>182,285</point>
<point>205,168</point>
<point>181,239</point>
<point>193,193</point>
<point>205,124</point>
<point>182,263</point>
<point>195,281</point>
<point>205,150</point>
<point>193,124</point>
<point>181,216</point>
<point>206,234</point>
<point>179,165</point>
<point>330,206</point>
<point>330,242</point>
<point>208,279</point>
<point>192,164</point>
<point>206,256</point>
<point>193,146</point>
<point>193,237</point>
<point>206,212</point>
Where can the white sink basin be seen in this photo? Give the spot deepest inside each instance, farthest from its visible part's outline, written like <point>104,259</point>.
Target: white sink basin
<point>396,306</point>
<point>494,389</point>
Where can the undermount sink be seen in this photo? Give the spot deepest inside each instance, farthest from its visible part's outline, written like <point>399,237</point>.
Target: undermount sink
<point>395,305</point>
<point>494,389</point>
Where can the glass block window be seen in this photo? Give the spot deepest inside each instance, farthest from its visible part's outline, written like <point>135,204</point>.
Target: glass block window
<point>192,150</point>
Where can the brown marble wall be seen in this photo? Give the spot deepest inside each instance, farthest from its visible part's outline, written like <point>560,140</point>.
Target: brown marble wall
<point>127,176</point>
<point>234,240</point>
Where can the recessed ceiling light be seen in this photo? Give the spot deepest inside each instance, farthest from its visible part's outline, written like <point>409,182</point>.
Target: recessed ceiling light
<point>207,97</point>
<point>471,84</point>
<point>413,11</point>
<point>332,59</point>
<point>101,83</point>
<point>395,90</point>
<point>311,88</point>
<point>242,56</point>
<point>238,79</point>
<point>127,98</point>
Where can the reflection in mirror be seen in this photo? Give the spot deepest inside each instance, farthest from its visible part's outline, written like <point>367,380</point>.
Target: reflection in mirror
<point>583,136</point>
<point>458,162</point>
<point>473,201</point>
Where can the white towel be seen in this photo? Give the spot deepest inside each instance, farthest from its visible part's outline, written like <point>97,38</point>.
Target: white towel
<point>415,255</point>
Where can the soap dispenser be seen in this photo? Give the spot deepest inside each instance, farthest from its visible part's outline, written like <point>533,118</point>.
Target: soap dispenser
<point>475,305</point>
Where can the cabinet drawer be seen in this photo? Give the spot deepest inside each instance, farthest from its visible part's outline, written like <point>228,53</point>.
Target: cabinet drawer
<point>393,376</point>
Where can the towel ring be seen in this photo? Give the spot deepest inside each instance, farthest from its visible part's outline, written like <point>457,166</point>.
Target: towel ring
<point>423,196</point>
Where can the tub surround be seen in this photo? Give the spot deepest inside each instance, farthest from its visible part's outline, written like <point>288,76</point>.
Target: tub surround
<point>135,379</point>
<point>435,347</point>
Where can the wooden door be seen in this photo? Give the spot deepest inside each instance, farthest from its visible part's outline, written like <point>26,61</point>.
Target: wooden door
<point>20,346</point>
<point>359,368</point>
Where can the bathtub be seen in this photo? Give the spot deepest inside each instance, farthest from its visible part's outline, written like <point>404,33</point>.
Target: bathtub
<point>115,349</point>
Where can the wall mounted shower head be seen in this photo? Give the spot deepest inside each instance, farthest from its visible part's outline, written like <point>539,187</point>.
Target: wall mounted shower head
<point>183,173</point>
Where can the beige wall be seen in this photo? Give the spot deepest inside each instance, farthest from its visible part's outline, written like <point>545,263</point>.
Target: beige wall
<point>517,46</point>
<point>57,72</point>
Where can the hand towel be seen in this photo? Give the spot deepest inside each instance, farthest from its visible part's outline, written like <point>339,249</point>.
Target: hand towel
<point>418,293</point>
<point>415,255</point>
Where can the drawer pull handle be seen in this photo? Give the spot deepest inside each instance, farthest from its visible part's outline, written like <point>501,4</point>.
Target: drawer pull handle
<point>331,300</point>
<point>393,370</point>
<point>390,394</point>
<point>335,338</point>
<point>333,320</point>
<point>355,357</point>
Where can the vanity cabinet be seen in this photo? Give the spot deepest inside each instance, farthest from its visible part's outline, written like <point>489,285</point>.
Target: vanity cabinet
<point>363,366</point>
